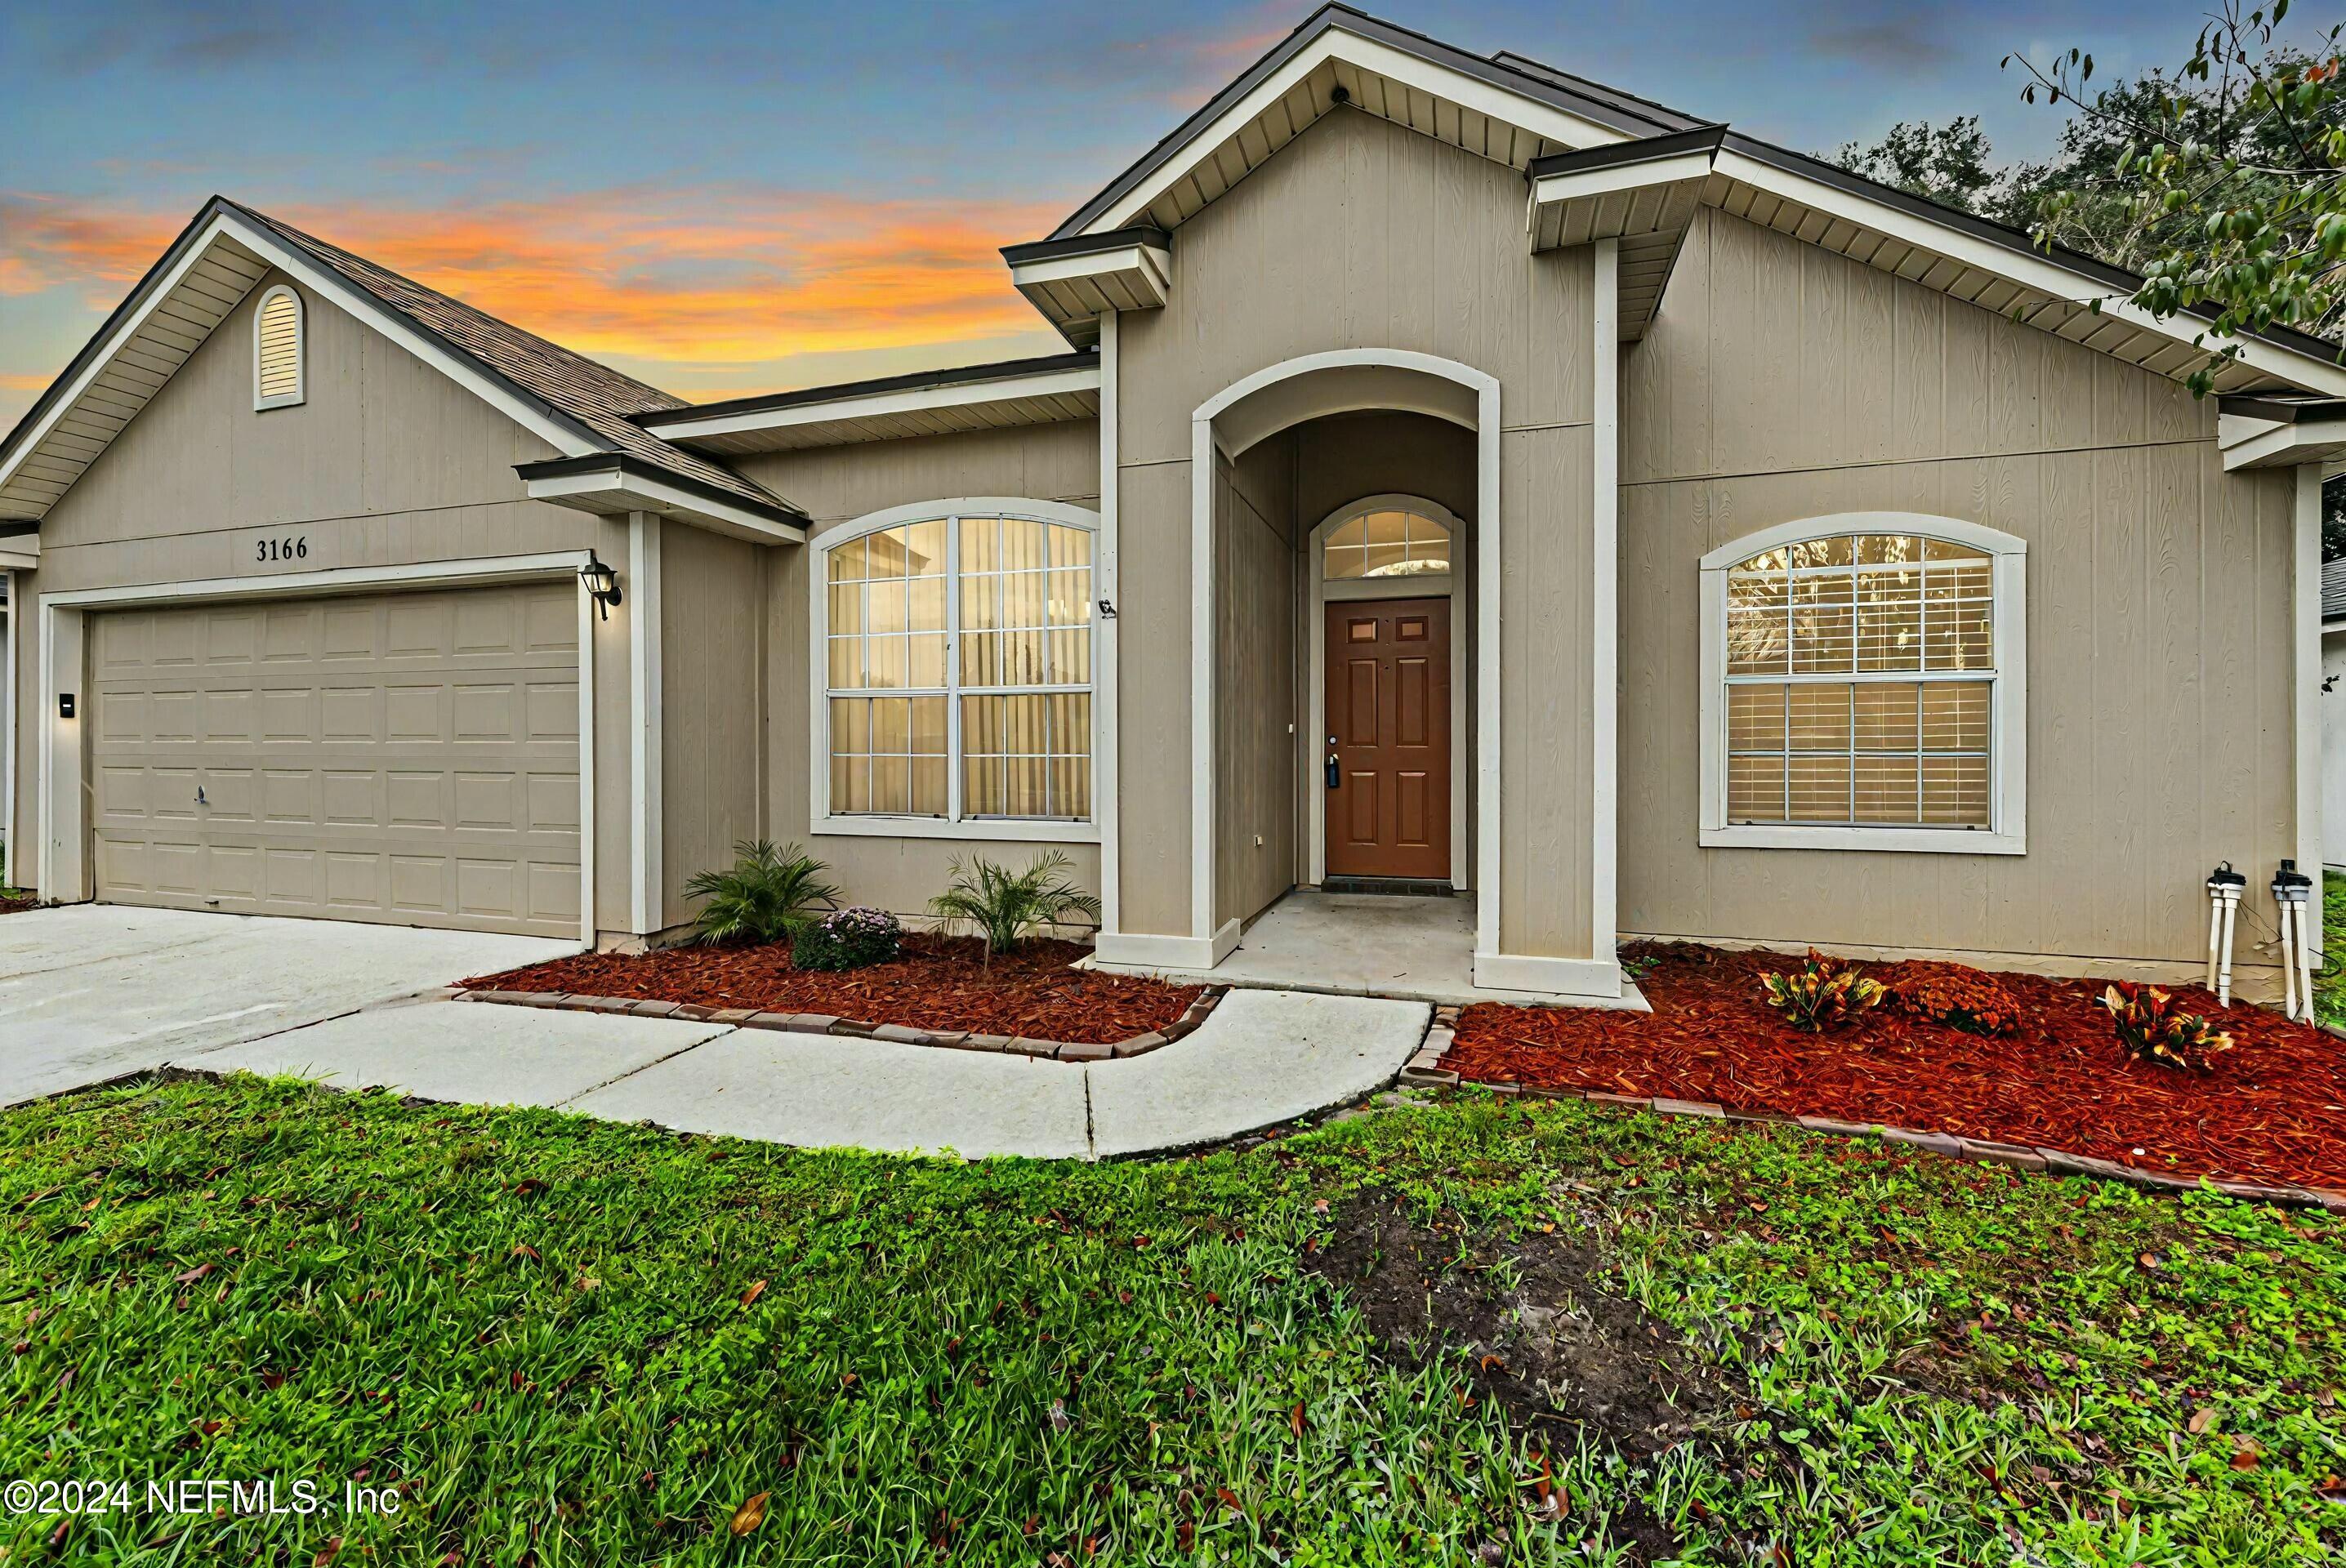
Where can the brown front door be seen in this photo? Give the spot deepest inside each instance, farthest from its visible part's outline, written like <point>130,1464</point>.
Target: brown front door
<point>1388,786</point>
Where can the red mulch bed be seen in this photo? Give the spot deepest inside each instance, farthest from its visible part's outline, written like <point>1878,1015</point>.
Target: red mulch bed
<point>2273,1109</point>
<point>939,982</point>
<point>17,906</point>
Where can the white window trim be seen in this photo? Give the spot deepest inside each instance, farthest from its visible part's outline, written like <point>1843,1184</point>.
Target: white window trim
<point>301,391</point>
<point>1325,591</point>
<point>2006,833</point>
<point>822,819</point>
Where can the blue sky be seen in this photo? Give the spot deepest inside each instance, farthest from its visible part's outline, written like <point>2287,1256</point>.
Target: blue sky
<point>722,197</point>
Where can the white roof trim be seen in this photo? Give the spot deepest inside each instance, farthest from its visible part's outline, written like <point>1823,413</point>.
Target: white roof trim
<point>874,406</point>
<point>326,286</point>
<point>1553,188</point>
<point>609,491</point>
<point>20,553</point>
<point>2260,444</point>
<point>32,438</point>
<point>1368,54</point>
<point>2039,273</point>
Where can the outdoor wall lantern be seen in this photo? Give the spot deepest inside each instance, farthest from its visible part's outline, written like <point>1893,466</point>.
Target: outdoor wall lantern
<point>602,585</point>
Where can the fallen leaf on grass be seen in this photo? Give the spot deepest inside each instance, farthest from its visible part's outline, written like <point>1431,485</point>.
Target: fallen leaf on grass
<point>192,1275</point>
<point>525,1249</point>
<point>756,1289</point>
<point>2202,1420</point>
<point>750,1515</point>
<point>326,1553</point>
<point>1295,1418</point>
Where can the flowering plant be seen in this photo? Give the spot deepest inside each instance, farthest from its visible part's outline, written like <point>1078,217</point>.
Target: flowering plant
<point>848,939</point>
<point>2153,1027</point>
<point>1825,992</point>
<point>1959,998</point>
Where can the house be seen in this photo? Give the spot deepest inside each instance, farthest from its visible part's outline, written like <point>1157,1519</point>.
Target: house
<point>1460,477</point>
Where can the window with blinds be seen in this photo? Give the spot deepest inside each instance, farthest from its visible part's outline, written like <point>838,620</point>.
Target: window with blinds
<point>1860,683</point>
<point>959,670</point>
<point>277,348</point>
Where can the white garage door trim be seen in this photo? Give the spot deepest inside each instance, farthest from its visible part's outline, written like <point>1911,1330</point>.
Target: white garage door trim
<point>63,859</point>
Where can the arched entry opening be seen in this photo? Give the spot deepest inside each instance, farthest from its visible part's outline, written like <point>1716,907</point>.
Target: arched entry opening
<point>1282,461</point>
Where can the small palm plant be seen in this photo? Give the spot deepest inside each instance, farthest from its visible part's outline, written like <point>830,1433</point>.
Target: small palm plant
<point>767,894</point>
<point>1005,909</point>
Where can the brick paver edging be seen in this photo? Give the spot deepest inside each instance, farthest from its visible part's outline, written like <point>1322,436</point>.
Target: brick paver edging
<point>1425,1071</point>
<point>824,1023</point>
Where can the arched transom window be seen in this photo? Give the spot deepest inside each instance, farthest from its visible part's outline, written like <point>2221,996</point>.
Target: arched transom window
<point>958,654</point>
<point>1864,682</point>
<point>1389,542</point>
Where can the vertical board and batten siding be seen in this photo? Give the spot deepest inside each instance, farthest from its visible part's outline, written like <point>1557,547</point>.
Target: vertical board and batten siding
<point>386,463</point>
<point>1360,234</point>
<point>712,703</point>
<point>834,485</point>
<point>1255,631</point>
<point>1782,381</point>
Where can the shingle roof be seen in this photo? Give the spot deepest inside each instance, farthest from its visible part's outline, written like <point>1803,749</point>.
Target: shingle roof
<point>592,394</point>
<point>2333,589</point>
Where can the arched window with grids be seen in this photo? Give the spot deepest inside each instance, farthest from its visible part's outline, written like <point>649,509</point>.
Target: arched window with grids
<point>953,658</point>
<point>1863,687</point>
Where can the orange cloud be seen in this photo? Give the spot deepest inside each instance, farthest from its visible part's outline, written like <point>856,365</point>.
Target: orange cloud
<point>696,278</point>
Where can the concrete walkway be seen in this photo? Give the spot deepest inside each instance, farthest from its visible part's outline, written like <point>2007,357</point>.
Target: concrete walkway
<point>1368,945</point>
<point>1261,1057</point>
<point>91,992</point>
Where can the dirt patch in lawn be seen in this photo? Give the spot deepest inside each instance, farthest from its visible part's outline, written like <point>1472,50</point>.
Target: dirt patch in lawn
<point>2272,1109</point>
<point>1536,1332</point>
<point>938,982</point>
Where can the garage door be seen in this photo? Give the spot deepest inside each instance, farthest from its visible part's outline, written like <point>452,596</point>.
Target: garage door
<point>409,758</point>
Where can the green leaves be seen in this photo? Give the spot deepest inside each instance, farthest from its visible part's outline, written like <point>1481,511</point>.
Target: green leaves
<point>767,895</point>
<point>1004,908</point>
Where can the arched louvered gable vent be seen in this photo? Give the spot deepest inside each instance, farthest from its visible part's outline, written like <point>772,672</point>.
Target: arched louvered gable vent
<point>277,348</point>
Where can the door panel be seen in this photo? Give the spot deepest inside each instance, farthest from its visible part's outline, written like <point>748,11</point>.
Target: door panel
<point>405,757</point>
<point>1388,709</point>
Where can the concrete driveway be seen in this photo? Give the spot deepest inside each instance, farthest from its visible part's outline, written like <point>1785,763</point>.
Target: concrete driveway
<point>91,992</point>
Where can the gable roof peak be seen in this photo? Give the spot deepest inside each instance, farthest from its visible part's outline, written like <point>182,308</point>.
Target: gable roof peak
<point>1504,107</point>
<point>576,404</point>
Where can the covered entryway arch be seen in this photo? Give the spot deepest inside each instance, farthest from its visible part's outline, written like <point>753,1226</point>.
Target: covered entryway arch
<point>1223,430</point>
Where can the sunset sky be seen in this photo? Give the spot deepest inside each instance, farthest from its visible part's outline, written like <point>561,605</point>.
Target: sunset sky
<point>723,198</point>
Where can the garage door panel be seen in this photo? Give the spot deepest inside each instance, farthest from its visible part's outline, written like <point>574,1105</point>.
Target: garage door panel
<point>288,715</point>
<point>551,709</point>
<point>292,877</point>
<point>230,638</point>
<point>351,713</point>
<point>348,632</point>
<point>489,712</point>
<point>403,758</point>
<point>488,800</point>
<point>413,712</point>
<point>552,802</point>
<point>290,796</point>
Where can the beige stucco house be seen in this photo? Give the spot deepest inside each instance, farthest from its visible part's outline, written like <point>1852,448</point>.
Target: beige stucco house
<point>1462,477</point>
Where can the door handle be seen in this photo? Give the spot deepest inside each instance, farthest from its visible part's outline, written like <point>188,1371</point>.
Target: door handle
<point>1334,779</point>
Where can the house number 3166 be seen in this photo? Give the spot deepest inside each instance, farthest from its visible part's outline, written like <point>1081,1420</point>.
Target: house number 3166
<point>292,547</point>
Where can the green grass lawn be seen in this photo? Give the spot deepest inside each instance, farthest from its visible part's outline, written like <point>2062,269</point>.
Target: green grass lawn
<point>572,1342</point>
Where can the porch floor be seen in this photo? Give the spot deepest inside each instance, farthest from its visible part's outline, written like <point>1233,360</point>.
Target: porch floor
<point>1369,944</point>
